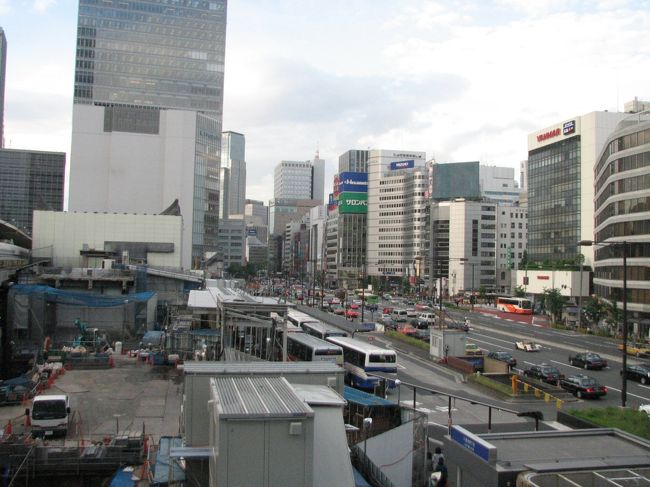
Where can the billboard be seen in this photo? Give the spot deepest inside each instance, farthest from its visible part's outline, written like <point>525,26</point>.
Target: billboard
<point>410,164</point>
<point>353,203</point>
<point>353,182</point>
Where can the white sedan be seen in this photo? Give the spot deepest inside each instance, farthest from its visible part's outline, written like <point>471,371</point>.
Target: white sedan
<point>528,346</point>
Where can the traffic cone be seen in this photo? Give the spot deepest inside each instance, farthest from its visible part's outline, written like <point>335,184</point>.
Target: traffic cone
<point>9,429</point>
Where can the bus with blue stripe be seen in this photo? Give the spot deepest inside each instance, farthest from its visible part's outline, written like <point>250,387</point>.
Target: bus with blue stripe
<point>306,348</point>
<point>322,330</point>
<point>362,359</point>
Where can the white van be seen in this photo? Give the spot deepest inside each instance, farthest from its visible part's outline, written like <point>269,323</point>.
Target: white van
<point>399,315</point>
<point>49,415</point>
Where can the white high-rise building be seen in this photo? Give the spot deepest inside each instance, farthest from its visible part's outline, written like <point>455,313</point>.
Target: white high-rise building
<point>397,207</point>
<point>300,180</point>
<point>498,184</point>
<point>232,174</point>
<point>147,113</point>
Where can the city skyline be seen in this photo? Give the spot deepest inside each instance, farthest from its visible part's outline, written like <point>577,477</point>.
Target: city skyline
<point>423,75</point>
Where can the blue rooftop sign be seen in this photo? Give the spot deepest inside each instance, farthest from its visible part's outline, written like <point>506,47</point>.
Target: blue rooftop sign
<point>402,165</point>
<point>476,445</point>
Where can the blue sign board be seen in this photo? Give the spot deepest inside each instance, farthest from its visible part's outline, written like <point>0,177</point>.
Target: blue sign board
<point>402,165</point>
<point>353,182</point>
<point>569,127</point>
<point>251,232</point>
<point>476,445</point>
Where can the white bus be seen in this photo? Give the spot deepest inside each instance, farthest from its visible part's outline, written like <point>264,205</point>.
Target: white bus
<point>298,317</point>
<point>322,330</point>
<point>306,348</point>
<point>362,358</point>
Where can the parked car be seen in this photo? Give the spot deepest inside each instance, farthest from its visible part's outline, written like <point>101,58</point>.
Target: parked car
<point>503,357</point>
<point>459,325</point>
<point>428,318</point>
<point>635,349</point>
<point>588,360</point>
<point>338,309</point>
<point>406,328</point>
<point>423,334</point>
<point>528,346</point>
<point>638,372</point>
<point>472,349</point>
<point>544,372</point>
<point>583,386</point>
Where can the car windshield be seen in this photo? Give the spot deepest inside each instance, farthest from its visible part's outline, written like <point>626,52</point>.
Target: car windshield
<point>49,410</point>
<point>550,370</point>
<point>588,381</point>
<point>592,356</point>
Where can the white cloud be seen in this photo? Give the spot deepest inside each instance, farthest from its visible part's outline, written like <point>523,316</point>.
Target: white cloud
<point>42,6</point>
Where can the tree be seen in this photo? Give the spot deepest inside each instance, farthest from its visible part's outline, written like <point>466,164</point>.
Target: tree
<point>520,291</point>
<point>554,302</point>
<point>594,310</point>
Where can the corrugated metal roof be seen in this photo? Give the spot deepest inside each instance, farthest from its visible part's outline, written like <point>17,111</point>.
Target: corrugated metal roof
<point>260,368</point>
<point>257,397</point>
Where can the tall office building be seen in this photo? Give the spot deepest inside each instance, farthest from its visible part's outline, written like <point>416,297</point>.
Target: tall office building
<point>30,180</point>
<point>561,160</point>
<point>622,205</point>
<point>397,214</point>
<point>147,113</point>
<point>498,184</point>
<point>3,71</point>
<point>300,180</point>
<point>354,160</point>
<point>233,174</point>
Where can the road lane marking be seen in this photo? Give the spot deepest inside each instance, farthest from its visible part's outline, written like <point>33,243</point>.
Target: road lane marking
<point>568,365</point>
<point>628,393</point>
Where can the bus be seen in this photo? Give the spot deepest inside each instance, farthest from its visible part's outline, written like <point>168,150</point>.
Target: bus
<point>306,348</point>
<point>322,330</point>
<point>362,358</point>
<point>515,305</point>
<point>298,317</point>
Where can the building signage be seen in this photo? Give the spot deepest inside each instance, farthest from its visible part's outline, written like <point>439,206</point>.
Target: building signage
<point>569,127</point>
<point>543,278</point>
<point>476,445</point>
<point>353,182</point>
<point>353,203</point>
<point>548,135</point>
<point>335,187</point>
<point>251,232</point>
<point>402,165</point>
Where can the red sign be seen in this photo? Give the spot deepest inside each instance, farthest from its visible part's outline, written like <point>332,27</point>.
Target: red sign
<point>549,135</point>
<point>543,278</point>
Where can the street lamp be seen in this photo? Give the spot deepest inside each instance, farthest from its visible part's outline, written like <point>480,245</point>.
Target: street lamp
<point>623,244</point>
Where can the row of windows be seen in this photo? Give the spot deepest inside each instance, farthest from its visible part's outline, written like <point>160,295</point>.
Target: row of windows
<point>624,164</point>
<point>621,143</point>
<point>634,249</point>
<point>616,294</point>
<point>634,273</point>
<point>626,207</point>
<point>627,185</point>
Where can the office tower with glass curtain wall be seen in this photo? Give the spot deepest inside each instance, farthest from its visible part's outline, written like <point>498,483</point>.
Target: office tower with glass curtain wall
<point>147,113</point>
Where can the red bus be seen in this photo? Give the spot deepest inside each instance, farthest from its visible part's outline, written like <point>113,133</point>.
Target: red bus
<point>520,306</point>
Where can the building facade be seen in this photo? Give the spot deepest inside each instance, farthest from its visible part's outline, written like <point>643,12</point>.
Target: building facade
<point>354,160</point>
<point>147,112</point>
<point>397,213</point>
<point>232,242</point>
<point>3,73</point>
<point>30,180</point>
<point>498,184</point>
<point>622,214</point>
<point>561,159</point>
<point>233,174</point>
<point>300,180</point>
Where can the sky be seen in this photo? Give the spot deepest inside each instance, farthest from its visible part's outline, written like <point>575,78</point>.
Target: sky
<point>462,80</point>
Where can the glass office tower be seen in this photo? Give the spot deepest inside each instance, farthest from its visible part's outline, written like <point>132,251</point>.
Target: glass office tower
<point>139,61</point>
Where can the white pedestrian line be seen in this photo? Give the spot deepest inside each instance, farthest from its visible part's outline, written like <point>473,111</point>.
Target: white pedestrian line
<point>444,409</point>
<point>400,366</point>
<point>629,393</point>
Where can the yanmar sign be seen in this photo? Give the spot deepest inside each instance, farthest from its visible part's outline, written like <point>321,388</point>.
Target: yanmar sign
<point>549,135</point>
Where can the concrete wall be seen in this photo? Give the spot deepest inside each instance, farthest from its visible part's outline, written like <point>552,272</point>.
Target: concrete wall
<point>62,235</point>
<point>134,173</point>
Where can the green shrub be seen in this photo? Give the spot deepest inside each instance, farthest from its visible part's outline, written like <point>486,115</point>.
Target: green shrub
<point>408,339</point>
<point>489,383</point>
<point>634,422</point>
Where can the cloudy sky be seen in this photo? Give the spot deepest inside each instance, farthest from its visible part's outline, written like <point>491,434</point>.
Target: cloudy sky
<point>462,80</point>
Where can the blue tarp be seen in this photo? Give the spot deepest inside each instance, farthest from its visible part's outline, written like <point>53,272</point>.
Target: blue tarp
<point>122,479</point>
<point>161,468</point>
<point>81,299</point>
<point>365,399</point>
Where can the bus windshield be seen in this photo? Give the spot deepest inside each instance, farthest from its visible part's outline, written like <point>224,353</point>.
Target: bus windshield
<point>49,410</point>
<point>381,358</point>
